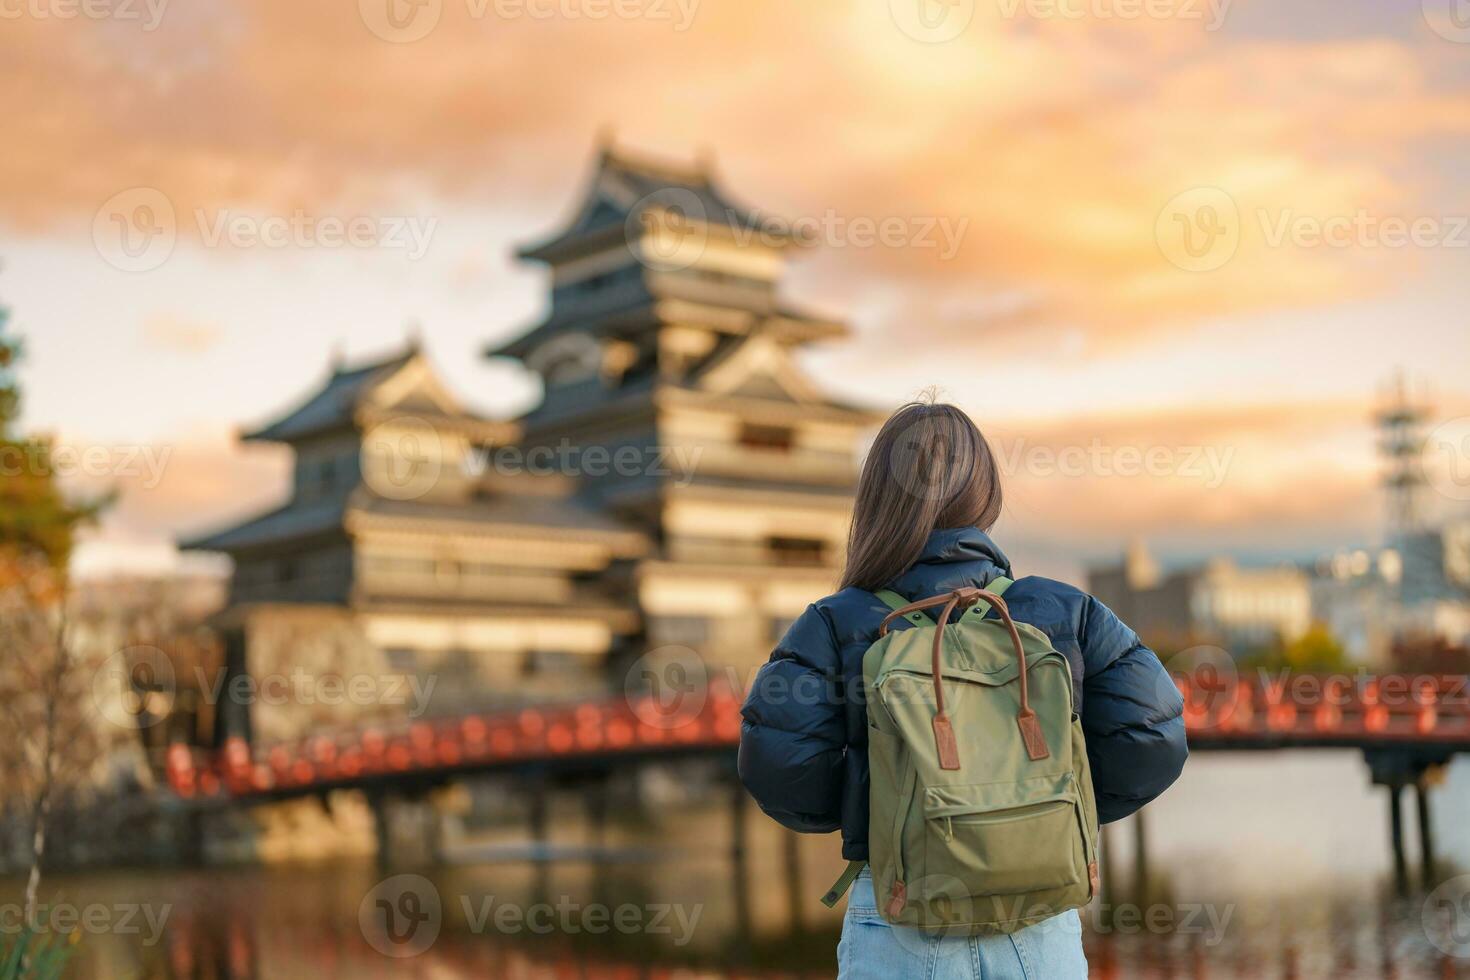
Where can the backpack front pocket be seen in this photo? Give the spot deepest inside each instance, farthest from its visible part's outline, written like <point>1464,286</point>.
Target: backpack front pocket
<point>989,840</point>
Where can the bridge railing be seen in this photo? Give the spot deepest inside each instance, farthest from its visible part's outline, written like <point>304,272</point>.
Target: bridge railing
<point>1260,711</point>
<point>706,717</point>
<point>1351,708</point>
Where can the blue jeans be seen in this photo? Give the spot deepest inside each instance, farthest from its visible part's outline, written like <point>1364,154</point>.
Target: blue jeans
<point>871,949</point>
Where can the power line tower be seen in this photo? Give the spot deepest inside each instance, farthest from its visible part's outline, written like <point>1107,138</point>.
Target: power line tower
<point>1401,424</point>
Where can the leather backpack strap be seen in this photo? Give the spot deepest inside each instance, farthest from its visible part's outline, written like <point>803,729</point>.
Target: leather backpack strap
<point>996,586</point>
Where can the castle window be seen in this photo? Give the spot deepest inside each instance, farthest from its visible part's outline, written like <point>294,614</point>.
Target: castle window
<point>805,552</point>
<point>775,437</point>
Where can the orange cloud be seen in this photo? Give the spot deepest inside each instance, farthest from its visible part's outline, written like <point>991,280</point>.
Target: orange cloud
<point>1051,146</point>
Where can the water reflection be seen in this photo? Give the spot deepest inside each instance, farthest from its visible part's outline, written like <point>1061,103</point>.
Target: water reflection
<point>1237,886</point>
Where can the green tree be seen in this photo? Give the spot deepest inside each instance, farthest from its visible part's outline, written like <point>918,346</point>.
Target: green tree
<point>36,520</point>
<point>37,530</point>
<point>1315,650</point>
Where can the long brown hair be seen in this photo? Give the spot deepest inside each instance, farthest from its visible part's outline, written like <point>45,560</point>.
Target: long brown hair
<point>929,468</point>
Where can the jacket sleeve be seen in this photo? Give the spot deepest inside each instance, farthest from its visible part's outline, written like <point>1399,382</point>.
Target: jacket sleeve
<point>1132,715</point>
<point>793,732</point>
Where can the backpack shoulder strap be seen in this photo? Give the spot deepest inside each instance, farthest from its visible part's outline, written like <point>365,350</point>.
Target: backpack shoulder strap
<point>997,586</point>
<point>892,599</point>
<point>896,602</point>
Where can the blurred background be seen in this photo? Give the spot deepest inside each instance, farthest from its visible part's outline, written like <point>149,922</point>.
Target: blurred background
<point>420,418</point>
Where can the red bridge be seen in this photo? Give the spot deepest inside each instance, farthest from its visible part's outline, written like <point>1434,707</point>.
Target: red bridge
<point>1405,726</point>
<point>1425,715</point>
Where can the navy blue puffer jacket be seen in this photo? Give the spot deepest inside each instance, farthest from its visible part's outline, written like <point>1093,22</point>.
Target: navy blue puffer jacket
<point>804,737</point>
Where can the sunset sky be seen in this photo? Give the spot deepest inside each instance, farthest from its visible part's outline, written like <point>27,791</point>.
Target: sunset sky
<point>1067,146</point>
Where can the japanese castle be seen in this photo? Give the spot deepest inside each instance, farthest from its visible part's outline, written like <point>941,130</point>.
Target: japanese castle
<point>692,491</point>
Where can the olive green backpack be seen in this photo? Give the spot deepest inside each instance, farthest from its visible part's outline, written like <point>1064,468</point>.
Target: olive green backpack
<point>981,813</point>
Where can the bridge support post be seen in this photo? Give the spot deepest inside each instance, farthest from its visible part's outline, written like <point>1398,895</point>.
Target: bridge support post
<point>1109,895</point>
<point>541,854</point>
<point>1140,859</point>
<point>382,833</point>
<point>1396,838</point>
<point>1426,834</point>
<point>794,887</point>
<point>1395,769</point>
<point>407,830</point>
<point>737,857</point>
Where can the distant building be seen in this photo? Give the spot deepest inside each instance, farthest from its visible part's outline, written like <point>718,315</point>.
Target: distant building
<point>682,482</point>
<point>1418,589</point>
<point>1353,595</point>
<point>1216,602</point>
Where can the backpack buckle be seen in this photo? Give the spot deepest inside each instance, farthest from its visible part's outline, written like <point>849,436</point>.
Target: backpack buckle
<point>967,596</point>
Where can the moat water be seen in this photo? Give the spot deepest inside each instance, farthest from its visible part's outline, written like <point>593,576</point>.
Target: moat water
<point>1259,866</point>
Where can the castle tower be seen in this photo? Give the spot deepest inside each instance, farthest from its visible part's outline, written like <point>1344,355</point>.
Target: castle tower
<point>402,550</point>
<point>668,360</point>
